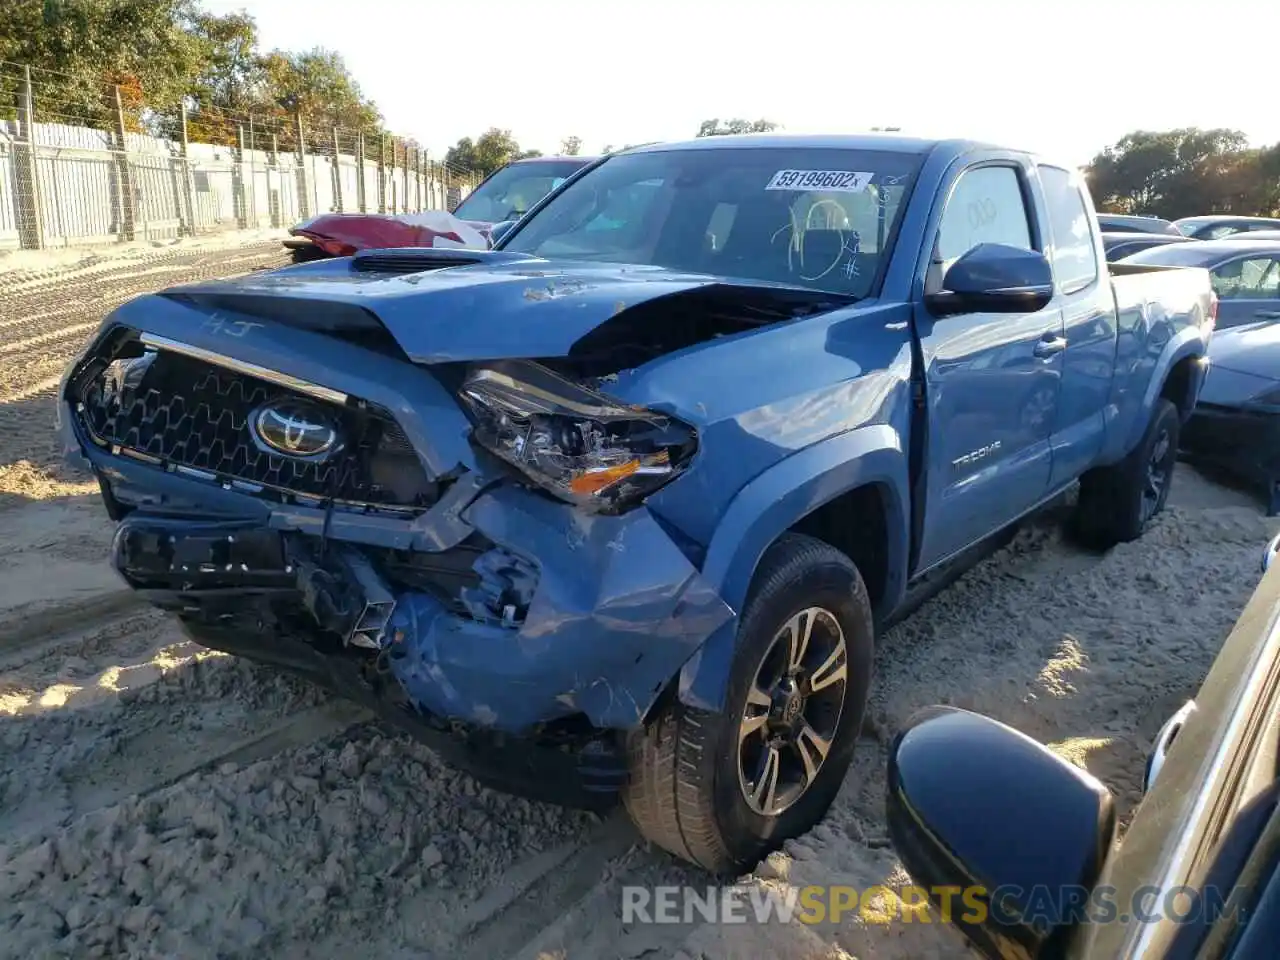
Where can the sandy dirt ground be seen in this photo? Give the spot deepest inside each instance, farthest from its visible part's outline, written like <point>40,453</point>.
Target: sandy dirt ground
<point>158,800</point>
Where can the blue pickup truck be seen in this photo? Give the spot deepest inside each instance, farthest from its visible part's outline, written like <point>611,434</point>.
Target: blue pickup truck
<point>618,507</point>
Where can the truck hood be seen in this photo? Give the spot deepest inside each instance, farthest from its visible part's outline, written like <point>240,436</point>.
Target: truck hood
<point>501,306</point>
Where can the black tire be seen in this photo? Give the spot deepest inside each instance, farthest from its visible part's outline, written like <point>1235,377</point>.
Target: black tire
<point>1118,502</point>
<point>306,254</point>
<point>685,792</point>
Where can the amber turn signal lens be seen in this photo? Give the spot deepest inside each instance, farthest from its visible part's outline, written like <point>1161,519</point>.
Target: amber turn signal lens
<point>593,481</point>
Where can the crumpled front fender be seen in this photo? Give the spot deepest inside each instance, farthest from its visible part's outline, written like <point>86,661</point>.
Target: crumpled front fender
<point>617,611</point>
<point>772,504</point>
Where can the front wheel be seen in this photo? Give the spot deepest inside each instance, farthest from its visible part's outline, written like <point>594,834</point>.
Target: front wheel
<point>723,789</point>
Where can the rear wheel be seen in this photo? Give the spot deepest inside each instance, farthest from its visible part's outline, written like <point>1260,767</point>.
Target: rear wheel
<point>723,789</point>
<point>1119,501</point>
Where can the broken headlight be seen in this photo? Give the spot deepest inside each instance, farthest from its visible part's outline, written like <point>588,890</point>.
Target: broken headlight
<point>579,445</point>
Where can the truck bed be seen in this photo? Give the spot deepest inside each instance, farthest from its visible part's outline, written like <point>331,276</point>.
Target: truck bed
<point>1179,291</point>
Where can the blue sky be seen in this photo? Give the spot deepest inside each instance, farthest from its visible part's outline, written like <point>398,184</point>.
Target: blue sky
<point>1034,74</point>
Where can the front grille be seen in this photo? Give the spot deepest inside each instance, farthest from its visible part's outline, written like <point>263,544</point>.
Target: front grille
<point>189,415</point>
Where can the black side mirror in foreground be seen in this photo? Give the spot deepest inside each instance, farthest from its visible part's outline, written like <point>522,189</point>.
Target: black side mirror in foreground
<point>1016,833</point>
<point>997,278</point>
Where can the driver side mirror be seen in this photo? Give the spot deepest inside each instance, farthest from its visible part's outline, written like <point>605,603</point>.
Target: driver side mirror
<point>500,230</point>
<point>995,278</point>
<point>1007,837</point>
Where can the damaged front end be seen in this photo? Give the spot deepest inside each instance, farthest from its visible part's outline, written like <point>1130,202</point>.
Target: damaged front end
<point>508,599</point>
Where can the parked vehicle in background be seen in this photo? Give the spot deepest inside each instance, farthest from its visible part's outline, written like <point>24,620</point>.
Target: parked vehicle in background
<point>1217,226</point>
<point>1236,423</point>
<point>1245,274</point>
<point>1124,223</point>
<point>506,194</point>
<point>617,506</point>
<point>1025,838</point>
<point>1118,245</point>
<point>511,192</point>
<point>1262,235</point>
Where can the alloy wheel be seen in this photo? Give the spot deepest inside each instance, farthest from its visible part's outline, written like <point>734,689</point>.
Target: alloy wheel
<point>792,712</point>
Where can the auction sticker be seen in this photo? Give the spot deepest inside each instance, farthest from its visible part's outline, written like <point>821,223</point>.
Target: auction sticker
<point>838,181</point>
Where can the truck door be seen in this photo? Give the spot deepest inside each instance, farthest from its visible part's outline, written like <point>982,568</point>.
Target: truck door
<point>991,379</point>
<point>1089,324</point>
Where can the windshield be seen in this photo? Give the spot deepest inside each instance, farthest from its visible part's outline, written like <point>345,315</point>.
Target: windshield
<point>511,191</point>
<point>820,218</point>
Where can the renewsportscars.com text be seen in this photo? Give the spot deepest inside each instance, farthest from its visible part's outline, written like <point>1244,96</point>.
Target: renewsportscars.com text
<point>911,904</point>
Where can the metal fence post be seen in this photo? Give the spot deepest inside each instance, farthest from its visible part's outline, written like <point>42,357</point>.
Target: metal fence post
<point>188,186</point>
<point>237,181</point>
<point>273,195</point>
<point>337,172</point>
<point>404,179</point>
<point>383,192</point>
<point>304,175</point>
<point>252,209</point>
<point>27,193</point>
<point>128,199</point>
<point>362,190</point>
<point>421,196</point>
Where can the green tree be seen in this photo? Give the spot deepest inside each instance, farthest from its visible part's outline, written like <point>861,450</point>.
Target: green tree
<point>1178,173</point>
<point>492,150</point>
<point>163,52</point>
<point>714,128</point>
<point>571,146</point>
<point>79,49</point>
<point>232,76</point>
<point>317,84</point>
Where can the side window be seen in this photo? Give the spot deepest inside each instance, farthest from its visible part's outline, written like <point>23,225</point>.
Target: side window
<point>1259,279</point>
<point>986,206</point>
<point>1075,264</point>
<point>1254,279</point>
<point>1270,285</point>
<point>1225,230</point>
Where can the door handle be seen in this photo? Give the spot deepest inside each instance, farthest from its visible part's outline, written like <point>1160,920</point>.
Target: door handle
<point>1049,345</point>
<point>1164,740</point>
<point>1268,314</point>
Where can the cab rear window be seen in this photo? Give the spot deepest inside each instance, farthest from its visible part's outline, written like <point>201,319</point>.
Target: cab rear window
<point>1073,255</point>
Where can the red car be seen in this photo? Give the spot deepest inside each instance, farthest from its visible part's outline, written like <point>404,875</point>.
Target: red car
<point>506,194</point>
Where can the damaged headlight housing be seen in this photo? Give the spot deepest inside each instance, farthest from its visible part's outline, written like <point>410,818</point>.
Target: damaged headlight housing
<point>577,444</point>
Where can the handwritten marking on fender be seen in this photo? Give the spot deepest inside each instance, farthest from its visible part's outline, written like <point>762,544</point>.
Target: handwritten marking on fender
<point>230,328</point>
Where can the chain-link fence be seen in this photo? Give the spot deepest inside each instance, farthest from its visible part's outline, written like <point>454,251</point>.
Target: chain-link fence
<point>90,163</point>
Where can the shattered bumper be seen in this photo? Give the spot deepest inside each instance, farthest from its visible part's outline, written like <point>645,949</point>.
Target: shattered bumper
<point>490,607</point>
<point>1243,441</point>
<point>616,611</point>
